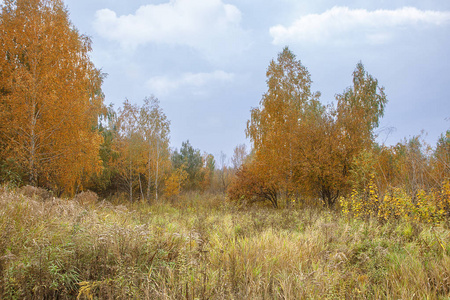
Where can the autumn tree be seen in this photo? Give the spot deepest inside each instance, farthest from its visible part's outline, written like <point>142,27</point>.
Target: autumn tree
<point>209,168</point>
<point>272,127</point>
<point>191,161</point>
<point>250,185</point>
<point>50,95</point>
<point>318,172</point>
<point>142,144</point>
<point>130,148</point>
<point>227,175</point>
<point>359,109</point>
<point>382,160</point>
<point>348,130</point>
<point>301,147</point>
<point>239,156</point>
<point>155,129</point>
<point>441,158</point>
<point>175,182</point>
<point>413,165</point>
<point>104,183</point>
<point>224,173</point>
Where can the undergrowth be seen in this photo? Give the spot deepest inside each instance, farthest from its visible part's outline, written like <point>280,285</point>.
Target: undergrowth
<point>200,247</point>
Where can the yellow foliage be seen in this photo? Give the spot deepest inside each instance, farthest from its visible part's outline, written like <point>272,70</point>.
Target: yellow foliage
<point>427,207</point>
<point>396,204</point>
<point>88,289</point>
<point>361,204</point>
<point>175,182</point>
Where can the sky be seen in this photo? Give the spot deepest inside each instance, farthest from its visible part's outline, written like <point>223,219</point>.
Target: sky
<point>206,60</point>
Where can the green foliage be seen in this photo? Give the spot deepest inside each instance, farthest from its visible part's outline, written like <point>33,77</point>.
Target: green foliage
<point>192,161</point>
<point>105,183</point>
<point>11,172</point>
<point>363,170</point>
<point>365,100</point>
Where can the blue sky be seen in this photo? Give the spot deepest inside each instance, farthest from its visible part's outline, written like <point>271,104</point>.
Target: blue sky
<point>205,60</point>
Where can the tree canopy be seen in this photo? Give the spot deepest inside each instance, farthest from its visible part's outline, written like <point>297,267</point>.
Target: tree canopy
<point>50,96</point>
<point>191,161</point>
<point>301,147</point>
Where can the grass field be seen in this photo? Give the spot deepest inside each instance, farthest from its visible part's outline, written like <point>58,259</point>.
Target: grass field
<point>201,247</point>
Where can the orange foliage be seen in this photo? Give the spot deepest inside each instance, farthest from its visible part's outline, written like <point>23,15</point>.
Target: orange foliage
<point>272,127</point>
<point>51,95</point>
<point>250,185</point>
<point>302,147</point>
<point>175,182</point>
<point>441,158</point>
<point>209,165</point>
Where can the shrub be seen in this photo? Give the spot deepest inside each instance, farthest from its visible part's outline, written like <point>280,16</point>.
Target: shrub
<point>427,207</point>
<point>87,197</point>
<point>361,204</point>
<point>31,191</point>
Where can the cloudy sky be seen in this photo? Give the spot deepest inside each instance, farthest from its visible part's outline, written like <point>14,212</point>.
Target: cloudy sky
<point>205,60</point>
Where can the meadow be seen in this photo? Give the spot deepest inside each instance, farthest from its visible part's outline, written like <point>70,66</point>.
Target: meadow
<point>200,246</point>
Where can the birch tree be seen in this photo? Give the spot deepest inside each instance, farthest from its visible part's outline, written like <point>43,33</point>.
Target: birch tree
<point>142,144</point>
<point>155,128</point>
<point>50,95</point>
<point>273,125</point>
<point>130,146</point>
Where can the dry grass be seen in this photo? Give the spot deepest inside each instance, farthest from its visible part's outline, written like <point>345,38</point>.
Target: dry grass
<point>36,192</point>
<point>202,248</point>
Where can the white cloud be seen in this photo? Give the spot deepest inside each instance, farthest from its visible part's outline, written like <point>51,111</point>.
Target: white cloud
<point>206,25</point>
<point>341,25</point>
<point>195,82</point>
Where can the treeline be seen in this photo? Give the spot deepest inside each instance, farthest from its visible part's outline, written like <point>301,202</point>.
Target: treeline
<point>137,162</point>
<point>57,133</point>
<point>308,153</point>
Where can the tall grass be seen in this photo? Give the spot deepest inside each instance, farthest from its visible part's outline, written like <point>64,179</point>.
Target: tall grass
<point>199,247</point>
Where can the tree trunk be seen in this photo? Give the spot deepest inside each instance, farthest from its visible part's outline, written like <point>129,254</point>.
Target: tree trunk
<point>33,133</point>
<point>149,182</point>
<point>131,182</point>
<point>157,169</point>
<point>140,186</point>
<point>33,173</point>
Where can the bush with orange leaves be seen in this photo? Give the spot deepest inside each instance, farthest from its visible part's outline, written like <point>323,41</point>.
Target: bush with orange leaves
<point>249,185</point>
<point>174,182</point>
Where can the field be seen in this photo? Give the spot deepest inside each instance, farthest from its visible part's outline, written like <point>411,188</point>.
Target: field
<point>202,247</point>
